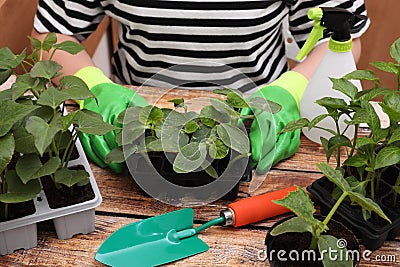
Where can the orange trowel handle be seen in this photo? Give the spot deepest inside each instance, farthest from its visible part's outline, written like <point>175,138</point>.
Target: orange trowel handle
<point>258,208</point>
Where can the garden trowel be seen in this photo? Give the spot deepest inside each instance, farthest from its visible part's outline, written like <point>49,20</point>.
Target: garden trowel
<point>171,236</point>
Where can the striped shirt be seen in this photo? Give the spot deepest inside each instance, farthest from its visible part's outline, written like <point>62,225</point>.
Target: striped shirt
<point>193,43</point>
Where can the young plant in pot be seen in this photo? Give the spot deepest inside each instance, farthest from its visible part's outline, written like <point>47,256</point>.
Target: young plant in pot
<point>41,159</point>
<point>307,240</point>
<point>187,148</point>
<point>369,162</point>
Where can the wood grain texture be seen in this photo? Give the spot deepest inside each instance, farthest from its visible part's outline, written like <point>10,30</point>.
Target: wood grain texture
<point>228,247</point>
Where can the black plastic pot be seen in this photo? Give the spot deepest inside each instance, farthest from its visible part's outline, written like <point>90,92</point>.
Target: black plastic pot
<point>373,232</point>
<point>162,163</point>
<point>299,242</point>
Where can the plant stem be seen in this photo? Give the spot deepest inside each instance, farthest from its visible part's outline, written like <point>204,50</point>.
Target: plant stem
<point>378,180</point>
<point>65,157</point>
<point>395,193</point>
<point>52,54</point>
<point>335,207</point>
<point>354,140</point>
<point>370,177</point>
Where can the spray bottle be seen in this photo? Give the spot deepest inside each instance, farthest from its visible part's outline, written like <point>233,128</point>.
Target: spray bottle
<point>337,62</point>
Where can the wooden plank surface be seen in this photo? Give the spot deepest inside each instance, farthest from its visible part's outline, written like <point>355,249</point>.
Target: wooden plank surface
<point>124,202</point>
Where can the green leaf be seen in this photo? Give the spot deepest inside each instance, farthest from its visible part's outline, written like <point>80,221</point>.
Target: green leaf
<point>330,243</point>
<point>8,60</point>
<point>191,127</point>
<point>129,115</point>
<point>131,132</point>
<point>373,119</point>
<point>395,50</point>
<point>395,136</point>
<point>68,120</point>
<point>299,203</point>
<point>373,93</point>
<point>330,102</point>
<point>293,225</point>
<point>226,91</point>
<point>45,69</point>
<point>92,123</point>
<point>334,176</point>
<point>224,108</point>
<point>361,75</point>
<point>218,150</point>
<point>344,86</point>
<point>396,189</point>
<point>35,43</point>
<point>7,145</point>
<point>336,142</point>
<point>12,112</point>
<point>42,131</point>
<point>385,66</point>
<point>358,160</point>
<point>387,156</point>
<point>150,115</point>
<point>190,157</point>
<point>317,120</point>
<point>29,167</point>
<point>177,102</point>
<point>69,177</point>
<point>173,119</point>
<point>48,168</point>
<point>292,126</point>
<point>391,106</point>
<point>201,134</point>
<point>120,153</point>
<point>172,139</point>
<point>49,41</point>
<point>209,116</point>
<point>52,97</point>
<point>75,88</point>
<point>364,141</point>
<point>209,169</point>
<point>5,75</point>
<point>24,141</point>
<point>22,84</point>
<point>70,47</point>
<point>234,138</point>
<point>157,145</point>
<point>18,192</point>
<point>367,204</point>
<point>236,101</point>
<point>262,104</point>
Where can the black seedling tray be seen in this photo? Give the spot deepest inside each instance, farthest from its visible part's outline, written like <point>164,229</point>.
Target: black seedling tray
<point>373,234</point>
<point>162,163</point>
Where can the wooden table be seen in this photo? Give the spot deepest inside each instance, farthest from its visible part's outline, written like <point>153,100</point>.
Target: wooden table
<point>124,203</point>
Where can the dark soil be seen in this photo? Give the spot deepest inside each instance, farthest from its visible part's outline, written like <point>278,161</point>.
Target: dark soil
<point>65,196</point>
<point>300,242</point>
<point>17,210</point>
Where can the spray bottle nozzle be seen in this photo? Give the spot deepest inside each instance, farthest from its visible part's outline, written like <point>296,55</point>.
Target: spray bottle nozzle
<point>334,21</point>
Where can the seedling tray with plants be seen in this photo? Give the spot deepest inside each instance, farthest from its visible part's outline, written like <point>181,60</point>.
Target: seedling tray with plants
<point>70,220</point>
<point>369,163</point>
<point>373,232</point>
<point>44,173</point>
<point>187,148</point>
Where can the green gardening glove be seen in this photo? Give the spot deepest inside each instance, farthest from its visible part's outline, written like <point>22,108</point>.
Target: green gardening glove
<point>112,99</point>
<point>268,145</point>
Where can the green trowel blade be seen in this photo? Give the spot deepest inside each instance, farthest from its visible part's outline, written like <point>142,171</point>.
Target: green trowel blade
<point>149,242</point>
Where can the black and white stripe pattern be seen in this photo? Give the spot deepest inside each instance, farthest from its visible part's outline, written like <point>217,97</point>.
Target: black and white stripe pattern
<point>193,44</point>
